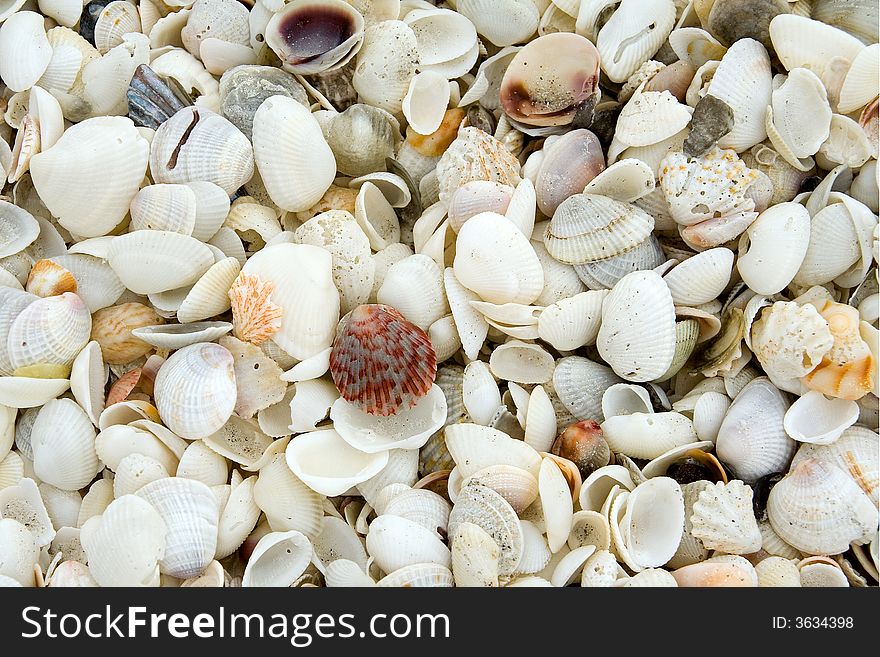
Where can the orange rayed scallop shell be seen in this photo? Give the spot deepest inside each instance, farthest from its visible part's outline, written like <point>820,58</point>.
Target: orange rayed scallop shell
<point>255,318</point>
<point>380,361</point>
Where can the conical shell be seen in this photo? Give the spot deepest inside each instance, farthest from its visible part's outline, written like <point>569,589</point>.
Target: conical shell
<point>105,153</point>
<point>195,390</point>
<point>818,509</point>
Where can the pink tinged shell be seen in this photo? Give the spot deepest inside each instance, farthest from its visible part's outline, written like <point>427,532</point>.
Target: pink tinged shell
<point>569,164</point>
<point>380,361</point>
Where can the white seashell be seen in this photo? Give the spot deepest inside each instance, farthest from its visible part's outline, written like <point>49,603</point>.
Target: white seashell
<point>752,440</point>
<point>521,362</point>
<point>626,180</point>
<point>487,509</point>
<point>556,504</point>
<point>772,249</point>
<point>475,557</point>
<point>424,105</point>
<point>195,390</point>
<point>651,117</point>
<point>62,440</point>
<point>125,543</point>
<point>600,483</point>
<point>311,403</point>
<point>821,574</point>
<point>847,143</point>
<point>633,33</point>
<point>396,542</point>
<point>48,332</point>
<point>701,278</point>
<point>653,523</point>
<point>504,23</point>
<point>568,569</point>
<point>177,336</point>
<point>25,51</point>
<point>278,559</point>
<point>96,284</point>
<point>338,540</point>
<point>116,442</point>
<point>600,570</point>
<point>383,81</point>
<point>469,322</point>
<point>201,463</point>
<point>580,384</point>
<point>28,392</point>
<point>293,182</point>
<point>818,509</point>
<point>104,153</point>
<point>861,81</point>
<point>287,502</point>
<point>480,392</point>
<point>495,260</point>
<point>625,399</point>
<point>376,217</point>
<point>637,335</point>
<point>573,322</point>
<point>344,572</point>
<point>151,261</point>
<point>115,20</point>
<point>814,418</point>
<point>164,207</point>
<point>801,115</point>
<point>743,81</point>
<point>476,197</point>
<point>647,435</point>
<point>777,571</point>
<point>134,472</point>
<point>708,414</point>
<point>18,229</point>
<point>474,155</point>
<point>536,553</point>
<point>197,144</point>
<point>653,577</point>
<point>414,287</point>
<point>723,519</point>
<point>327,464</point>
<point>540,429</point>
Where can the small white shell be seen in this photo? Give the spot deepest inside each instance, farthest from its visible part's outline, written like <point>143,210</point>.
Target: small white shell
<point>723,519</point>
<point>278,559</point>
<point>63,443</point>
<point>772,249</point>
<point>813,418</point>
<point>328,464</point>
<point>700,278</point>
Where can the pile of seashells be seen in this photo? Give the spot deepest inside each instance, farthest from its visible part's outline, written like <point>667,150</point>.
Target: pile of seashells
<point>475,293</point>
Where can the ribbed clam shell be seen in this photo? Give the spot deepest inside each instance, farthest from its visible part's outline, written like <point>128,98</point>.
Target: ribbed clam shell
<point>580,384</point>
<point>224,20</point>
<point>723,519</point>
<point>700,278</point>
<point>151,261</point>
<point>604,274</point>
<point>190,512</point>
<point>96,283</point>
<point>382,81</point>
<point>721,571</point>
<point>63,441</point>
<point>18,229</point>
<point>11,470</point>
<point>195,390</point>
<point>504,23</point>
<point>475,557</point>
<point>164,207</point>
<point>197,144</point>
<point>209,296</point>
<point>515,484</point>
<point>421,506</point>
<point>801,113</point>
<point>105,153</point>
<point>861,81</point>
<point>237,518</point>
<point>625,342</point>
<point>777,571</point>
<point>743,81</point>
<point>283,131</point>
<point>25,50</point>
<point>487,509</point>
<point>475,448</point>
<point>833,248</point>
<point>177,336</point>
<point>752,440</point>
<point>475,155</point>
<point>476,197</point>
<point>507,272</point>
<point>116,442</point>
<point>811,44</point>
<point>651,117</point>
<point>396,542</point>
<point>111,329</point>
<point>633,33</point>
<point>115,20</point>
<point>556,504</point>
<point>855,452</point>
<point>302,287</point>
<point>287,502</point>
<point>647,435</point>
<point>49,331</point>
<point>818,509</point>
<point>278,559</point>
<point>125,543</point>
<point>587,228</point>
<point>134,472</point>
<point>201,463</point>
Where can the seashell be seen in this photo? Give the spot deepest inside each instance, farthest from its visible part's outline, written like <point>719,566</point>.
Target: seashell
<point>540,429</point>
<point>818,509</point>
<point>555,504</point>
<point>62,440</point>
<point>847,369</point>
<point>701,278</point>
<point>49,332</point>
<point>632,35</point>
<point>278,559</point>
<point>722,571</point>
<point>177,336</point>
<point>414,287</point>
<point>116,442</point>
<point>291,276</point>
<point>647,435</point>
<point>381,81</point>
<point>26,50</point>
<point>626,180</point>
<point>515,484</point>
<point>854,452</point>
<point>604,274</point>
<point>599,570</point>
<point>376,217</point>
<point>114,21</point>
<point>189,146</point>
<point>485,508</point>
<point>475,448</point>
<point>287,502</point>
<point>125,543</point>
<point>582,444</point>
<point>257,377</point>
<point>90,278</point>
<point>490,271</point>
<point>569,164</point>
<point>580,384</point>
<point>424,105</point>
<point>521,362</point>
<point>112,330</point>
<point>151,261</point>
<point>193,404</point>
<point>777,571</point>
<point>475,557</point>
<point>480,393</point>
<point>292,183</point>
<point>135,471</point>
<point>743,81</point>
<point>652,523</point>
<point>647,354</point>
<point>201,463</point>
<point>475,198</point>
<point>773,248</point>
<point>815,419</point>
<point>474,155</point>
<point>409,429</point>
<point>625,399</point>
<point>820,574</point>
<point>65,179</point>
<point>396,542</point>
<point>327,464</point>
<point>502,24</point>
<point>587,228</point>
<point>801,126</point>
<point>311,404</point>
<point>860,82</point>
<point>164,207</point>
<point>573,322</point>
<point>18,229</point>
<point>29,392</point>
<point>668,117</point>
<point>723,519</point>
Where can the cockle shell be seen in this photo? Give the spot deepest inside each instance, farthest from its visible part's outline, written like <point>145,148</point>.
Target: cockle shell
<point>380,80</point>
<point>152,261</point>
<point>396,542</point>
<point>487,509</point>
<point>475,155</point>
<point>195,390</point>
<point>814,418</point>
<point>62,440</point>
<point>772,249</point>
<point>18,229</point>
<point>25,50</point>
